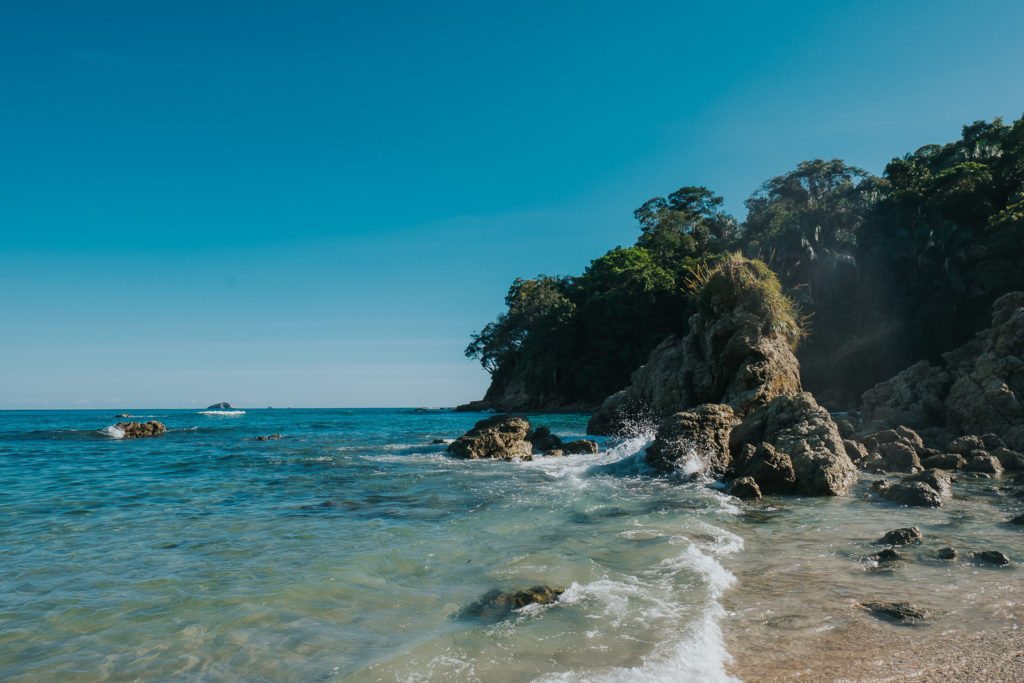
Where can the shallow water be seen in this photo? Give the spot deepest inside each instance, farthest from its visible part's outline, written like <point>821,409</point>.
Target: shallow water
<point>345,549</point>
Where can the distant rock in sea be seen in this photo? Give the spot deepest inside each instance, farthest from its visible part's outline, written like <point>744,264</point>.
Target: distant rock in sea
<point>224,405</point>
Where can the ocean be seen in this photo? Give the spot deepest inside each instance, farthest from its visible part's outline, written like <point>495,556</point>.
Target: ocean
<point>349,549</point>
<point>353,547</point>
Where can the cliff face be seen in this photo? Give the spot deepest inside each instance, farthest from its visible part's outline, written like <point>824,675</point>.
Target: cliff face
<point>978,388</point>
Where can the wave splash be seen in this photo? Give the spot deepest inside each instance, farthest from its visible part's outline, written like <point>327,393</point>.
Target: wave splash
<point>113,431</point>
<point>226,413</point>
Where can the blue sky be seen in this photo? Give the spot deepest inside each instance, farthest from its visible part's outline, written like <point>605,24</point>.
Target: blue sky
<point>314,204</point>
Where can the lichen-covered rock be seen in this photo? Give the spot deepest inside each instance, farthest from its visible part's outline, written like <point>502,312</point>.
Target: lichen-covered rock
<point>136,430</point>
<point>695,441</point>
<point>502,437</point>
<point>745,488</point>
<point>796,426</point>
<point>738,351</point>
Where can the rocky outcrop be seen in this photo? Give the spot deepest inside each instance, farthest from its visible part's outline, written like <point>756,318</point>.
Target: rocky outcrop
<point>224,405</point>
<point>135,430</point>
<point>791,445</point>
<point>695,441</point>
<point>500,437</point>
<point>510,437</point>
<point>978,389</point>
<point>894,450</point>
<point>737,352</point>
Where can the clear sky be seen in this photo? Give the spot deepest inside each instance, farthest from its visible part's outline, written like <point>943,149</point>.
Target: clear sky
<point>315,203</point>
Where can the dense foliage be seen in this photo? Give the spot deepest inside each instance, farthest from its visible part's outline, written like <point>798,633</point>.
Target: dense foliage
<point>888,270</point>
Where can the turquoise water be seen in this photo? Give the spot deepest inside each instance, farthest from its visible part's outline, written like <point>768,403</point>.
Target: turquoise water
<point>345,550</point>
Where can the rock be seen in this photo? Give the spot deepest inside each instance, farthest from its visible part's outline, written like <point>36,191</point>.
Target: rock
<point>914,494</point>
<point>439,441</point>
<point>738,351</point>
<point>855,450</point>
<point>135,430</point>
<point>936,479</point>
<point>965,444</point>
<point>992,441</point>
<point>773,471</point>
<point>224,405</point>
<point>983,463</point>
<point>897,611</point>
<point>914,397</point>
<point>944,461</point>
<point>543,440</point>
<point>580,447</point>
<point>124,415</point>
<point>797,427</point>
<point>502,437</point>
<point>697,441</point>
<point>554,453</point>
<point>992,557</point>
<point>886,556</point>
<point>899,448</point>
<point>1019,520</point>
<point>979,389</point>
<point>905,536</point>
<point>1011,461</point>
<point>846,429</point>
<point>474,407</point>
<point>745,487</point>
<point>268,438</point>
<point>497,604</point>
<point>946,554</point>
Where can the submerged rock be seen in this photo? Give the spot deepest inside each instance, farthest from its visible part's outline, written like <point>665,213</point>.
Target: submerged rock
<point>1019,520</point>
<point>903,612</point>
<point>798,428</point>
<point>905,536</point>
<point>946,553</point>
<point>498,604</point>
<point>135,430</point>
<point>886,556</point>
<point>995,557</point>
<point>696,439</point>
<point>501,437</point>
<point>269,437</point>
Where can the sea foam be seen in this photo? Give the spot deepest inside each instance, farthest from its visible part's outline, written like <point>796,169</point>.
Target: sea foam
<point>226,413</point>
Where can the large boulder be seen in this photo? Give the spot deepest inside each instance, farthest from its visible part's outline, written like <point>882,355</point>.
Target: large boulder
<point>695,442</point>
<point>796,427</point>
<point>738,351</point>
<point>501,437</point>
<point>135,430</point>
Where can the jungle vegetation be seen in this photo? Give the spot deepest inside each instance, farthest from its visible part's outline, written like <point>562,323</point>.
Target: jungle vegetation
<point>886,271</point>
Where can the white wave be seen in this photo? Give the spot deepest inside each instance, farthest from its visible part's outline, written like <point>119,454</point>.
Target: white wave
<point>227,413</point>
<point>697,652</point>
<point>113,431</point>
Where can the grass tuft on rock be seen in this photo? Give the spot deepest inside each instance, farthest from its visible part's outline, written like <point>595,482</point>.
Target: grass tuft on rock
<point>738,283</point>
